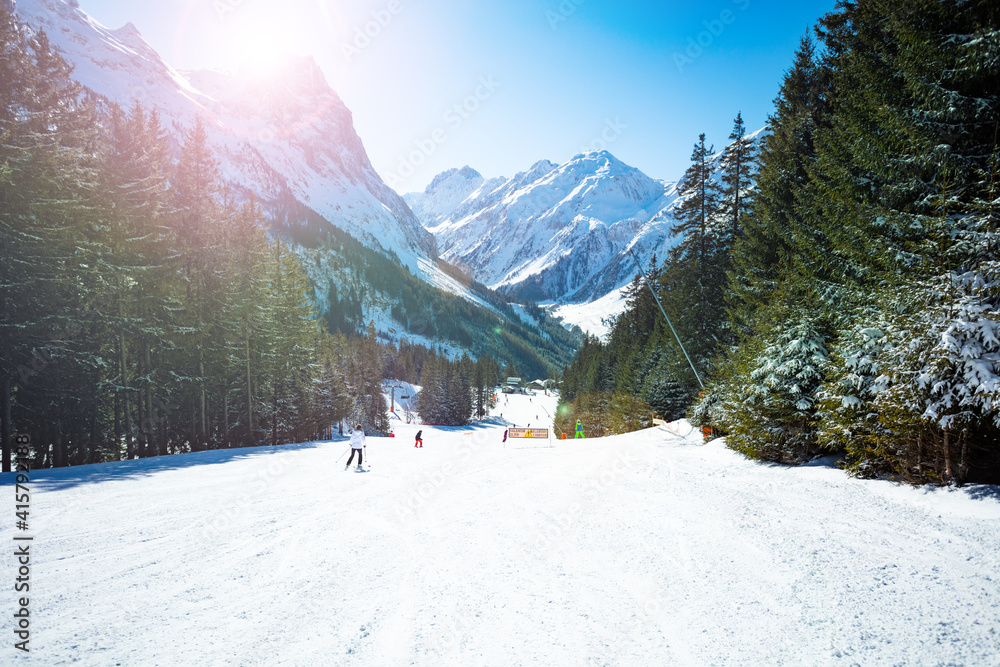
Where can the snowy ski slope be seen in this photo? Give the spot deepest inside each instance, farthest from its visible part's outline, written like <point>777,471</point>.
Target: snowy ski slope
<point>642,549</point>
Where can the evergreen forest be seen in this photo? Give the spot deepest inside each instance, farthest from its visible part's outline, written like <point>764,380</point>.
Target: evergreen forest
<point>837,283</point>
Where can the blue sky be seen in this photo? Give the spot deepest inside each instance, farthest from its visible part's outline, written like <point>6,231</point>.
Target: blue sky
<point>499,85</point>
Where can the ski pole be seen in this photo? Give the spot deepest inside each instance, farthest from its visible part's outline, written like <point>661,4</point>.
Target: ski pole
<point>342,455</point>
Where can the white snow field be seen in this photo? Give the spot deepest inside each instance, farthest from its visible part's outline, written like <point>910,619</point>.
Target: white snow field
<point>641,549</point>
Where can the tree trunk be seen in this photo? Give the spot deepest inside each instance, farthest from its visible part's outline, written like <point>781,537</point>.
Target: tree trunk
<point>127,413</point>
<point>46,461</point>
<point>92,441</point>
<point>202,403</point>
<point>153,420</point>
<point>141,417</point>
<point>736,203</point>
<point>194,427</point>
<point>963,461</point>
<point>920,454</point>
<point>149,426</point>
<point>58,448</point>
<point>274,416</point>
<point>225,418</point>
<point>77,447</point>
<point>250,437</point>
<point>162,414</point>
<point>947,457</point>
<point>118,425</point>
<point>164,443</point>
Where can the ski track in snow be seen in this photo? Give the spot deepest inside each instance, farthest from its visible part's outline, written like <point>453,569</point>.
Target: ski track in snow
<point>638,549</point>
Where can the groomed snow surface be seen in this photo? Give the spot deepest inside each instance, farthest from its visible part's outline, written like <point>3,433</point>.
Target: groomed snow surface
<point>641,549</point>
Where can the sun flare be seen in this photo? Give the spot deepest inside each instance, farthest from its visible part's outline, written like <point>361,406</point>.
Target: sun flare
<point>257,49</point>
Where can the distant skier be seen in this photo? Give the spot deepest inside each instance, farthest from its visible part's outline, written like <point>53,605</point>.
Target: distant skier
<point>579,429</point>
<point>418,442</point>
<point>357,446</point>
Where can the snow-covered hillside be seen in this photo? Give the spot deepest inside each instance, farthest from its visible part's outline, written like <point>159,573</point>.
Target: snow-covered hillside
<point>638,549</point>
<point>283,134</point>
<point>592,317</point>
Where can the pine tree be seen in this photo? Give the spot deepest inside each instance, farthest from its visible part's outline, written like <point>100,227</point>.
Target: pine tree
<point>136,269</point>
<point>15,70</point>
<point>764,254</point>
<point>430,400</point>
<point>50,291</point>
<point>632,331</point>
<point>699,193</point>
<point>485,378</point>
<point>332,400</point>
<point>464,373</point>
<point>908,163</point>
<point>768,403</point>
<point>370,407</point>
<point>739,162</point>
<point>196,193</point>
<point>666,396</point>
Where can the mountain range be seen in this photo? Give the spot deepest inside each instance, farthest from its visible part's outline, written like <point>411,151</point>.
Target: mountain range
<point>286,137</point>
<point>574,224</point>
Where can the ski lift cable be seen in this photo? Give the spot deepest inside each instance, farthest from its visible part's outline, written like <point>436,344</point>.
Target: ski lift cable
<point>653,292</point>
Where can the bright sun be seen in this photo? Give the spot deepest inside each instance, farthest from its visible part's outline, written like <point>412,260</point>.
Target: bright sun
<point>256,48</point>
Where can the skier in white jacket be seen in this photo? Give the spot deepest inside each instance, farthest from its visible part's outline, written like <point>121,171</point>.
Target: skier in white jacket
<point>357,446</point>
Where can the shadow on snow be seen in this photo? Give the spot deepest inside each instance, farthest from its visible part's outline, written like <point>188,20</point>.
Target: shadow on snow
<point>55,479</point>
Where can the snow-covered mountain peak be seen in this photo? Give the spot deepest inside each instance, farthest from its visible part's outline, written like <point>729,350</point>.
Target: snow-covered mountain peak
<point>570,221</point>
<point>602,156</point>
<point>128,32</point>
<point>444,195</point>
<point>281,133</point>
<point>539,169</point>
<point>466,173</point>
<point>594,179</point>
<point>129,36</point>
